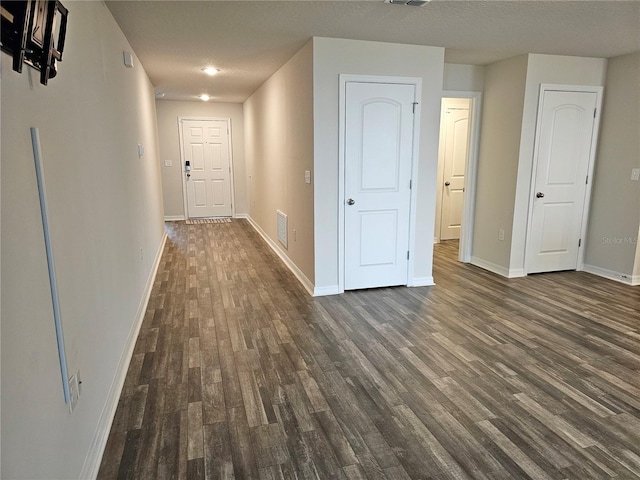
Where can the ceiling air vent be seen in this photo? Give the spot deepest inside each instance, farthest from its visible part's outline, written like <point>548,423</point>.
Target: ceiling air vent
<point>412,3</point>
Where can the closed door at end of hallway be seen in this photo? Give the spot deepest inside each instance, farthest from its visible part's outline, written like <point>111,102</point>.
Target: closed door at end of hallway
<point>207,168</point>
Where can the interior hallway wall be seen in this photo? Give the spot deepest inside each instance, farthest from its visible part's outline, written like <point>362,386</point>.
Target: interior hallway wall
<point>106,219</point>
<point>332,57</point>
<point>279,149</point>
<point>614,221</point>
<point>503,104</point>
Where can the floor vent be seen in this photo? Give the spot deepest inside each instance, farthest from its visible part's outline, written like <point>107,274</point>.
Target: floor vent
<point>282,228</point>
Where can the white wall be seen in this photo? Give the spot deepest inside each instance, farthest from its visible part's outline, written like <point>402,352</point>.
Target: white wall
<point>463,78</point>
<point>611,243</point>
<point>503,103</point>
<point>553,69</point>
<point>168,113</point>
<point>279,148</point>
<point>332,57</point>
<point>105,206</point>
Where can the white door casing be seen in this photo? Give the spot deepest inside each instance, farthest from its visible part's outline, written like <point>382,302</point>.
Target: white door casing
<point>563,160</point>
<point>456,149</point>
<point>379,140</point>
<point>207,182</point>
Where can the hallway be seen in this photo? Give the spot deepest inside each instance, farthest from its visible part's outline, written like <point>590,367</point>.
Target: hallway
<point>238,373</point>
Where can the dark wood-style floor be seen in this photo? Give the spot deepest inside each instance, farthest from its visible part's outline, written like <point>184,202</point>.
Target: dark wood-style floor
<point>238,373</point>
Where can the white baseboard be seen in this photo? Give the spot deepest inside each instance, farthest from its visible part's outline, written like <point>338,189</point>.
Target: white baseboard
<point>492,267</point>
<point>96,450</point>
<point>325,291</point>
<point>174,218</point>
<point>421,282</point>
<point>241,215</point>
<point>498,269</point>
<point>632,280</point>
<point>306,283</point>
<point>516,273</point>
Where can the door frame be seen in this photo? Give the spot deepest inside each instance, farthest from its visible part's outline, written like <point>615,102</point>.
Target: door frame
<point>342,102</point>
<point>227,120</point>
<point>471,170</point>
<point>546,87</point>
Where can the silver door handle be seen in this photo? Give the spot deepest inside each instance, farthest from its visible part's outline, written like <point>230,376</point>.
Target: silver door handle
<point>351,201</point>
<point>539,195</point>
<point>446,184</point>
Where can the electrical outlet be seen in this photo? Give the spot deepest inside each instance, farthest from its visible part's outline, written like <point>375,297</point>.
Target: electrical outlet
<point>295,235</point>
<point>74,391</point>
<point>635,174</point>
<point>307,176</point>
<point>501,234</point>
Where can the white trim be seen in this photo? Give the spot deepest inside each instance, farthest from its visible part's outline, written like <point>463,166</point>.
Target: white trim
<point>93,458</point>
<point>174,218</point>
<point>421,282</point>
<point>417,83</point>
<point>490,266</point>
<point>632,280</point>
<point>241,215</point>
<point>546,87</point>
<point>516,273</point>
<point>324,291</point>
<point>231,169</point>
<point>498,269</point>
<point>306,283</point>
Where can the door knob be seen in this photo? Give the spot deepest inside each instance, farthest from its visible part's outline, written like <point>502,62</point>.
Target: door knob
<point>446,184</point>
<point>351,201</point>
<point>539,195</point>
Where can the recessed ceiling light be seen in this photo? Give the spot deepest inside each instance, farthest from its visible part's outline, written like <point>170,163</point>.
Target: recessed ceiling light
<point>204,97</point>
<point>210,70</point>
<point>160,94</point>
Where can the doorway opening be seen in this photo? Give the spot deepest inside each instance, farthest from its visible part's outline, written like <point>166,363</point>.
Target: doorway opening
<point>456,179</point>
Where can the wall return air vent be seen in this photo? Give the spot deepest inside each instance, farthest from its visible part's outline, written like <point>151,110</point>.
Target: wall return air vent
<point>282,226</point>
<point>411,3</point>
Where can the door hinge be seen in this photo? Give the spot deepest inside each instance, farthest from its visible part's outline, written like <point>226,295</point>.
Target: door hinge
<point>587,181</point>
<point>595,110</point>
<point>414,106</point>
<point>407,254</point>
<point>410,184</point>
<point>579,243</point>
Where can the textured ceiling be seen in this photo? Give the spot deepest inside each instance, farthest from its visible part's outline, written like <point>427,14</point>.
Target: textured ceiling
<point>249,41</point>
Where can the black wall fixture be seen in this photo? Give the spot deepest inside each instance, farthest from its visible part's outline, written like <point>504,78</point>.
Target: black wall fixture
<point>33,32</point>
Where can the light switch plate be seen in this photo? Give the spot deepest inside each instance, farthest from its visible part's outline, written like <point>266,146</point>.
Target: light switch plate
<point>635,174</point>
<point>168,163</point>
<point>307,176</point>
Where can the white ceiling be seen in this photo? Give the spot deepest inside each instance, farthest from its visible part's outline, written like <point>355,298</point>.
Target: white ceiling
<point>249,40</point>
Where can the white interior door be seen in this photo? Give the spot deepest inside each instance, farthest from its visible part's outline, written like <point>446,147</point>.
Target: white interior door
<point>378,156</point>
<point>561,165</point>
<point>455,153</point>
<point>207,168</point>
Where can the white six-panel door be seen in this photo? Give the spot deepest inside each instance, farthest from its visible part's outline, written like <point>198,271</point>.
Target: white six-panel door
<point>456,146</point>
<point>378,157</point>
<point>208,181</point>
<point>564,142</point>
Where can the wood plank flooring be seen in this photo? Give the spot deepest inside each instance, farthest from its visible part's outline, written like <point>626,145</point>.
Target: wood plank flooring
<point>238,373</point>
